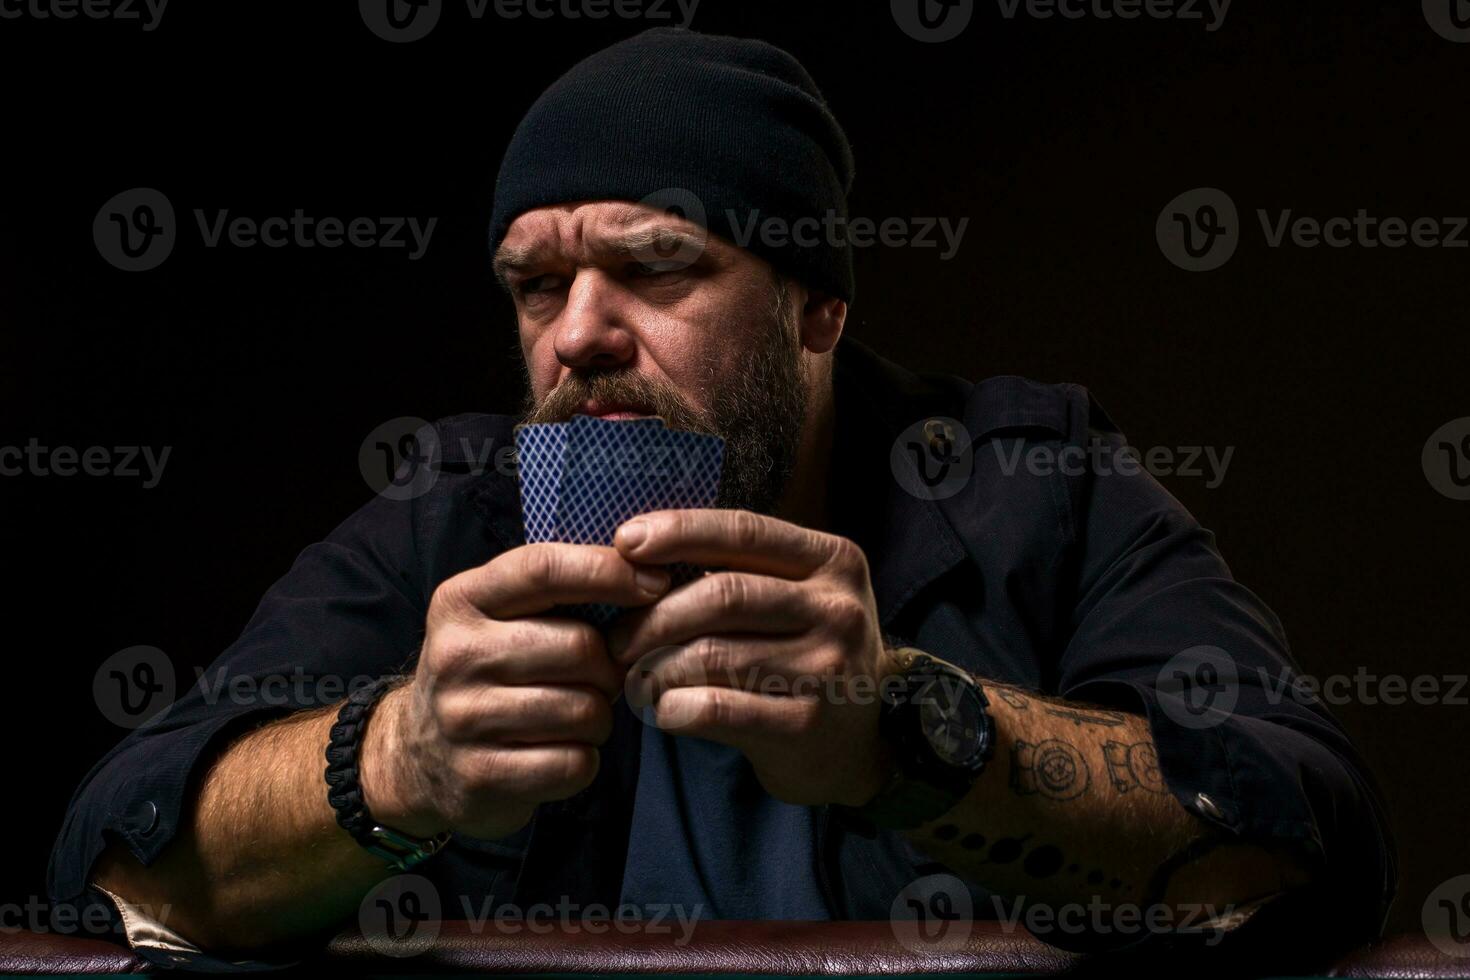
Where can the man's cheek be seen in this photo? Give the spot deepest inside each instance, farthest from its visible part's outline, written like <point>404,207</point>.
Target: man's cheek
<point>545,367</point>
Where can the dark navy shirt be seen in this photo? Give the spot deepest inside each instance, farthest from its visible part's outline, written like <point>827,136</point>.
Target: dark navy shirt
<point>1078,581</point>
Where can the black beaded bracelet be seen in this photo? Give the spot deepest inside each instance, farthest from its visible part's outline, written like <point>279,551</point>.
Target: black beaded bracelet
<point>342,774</point>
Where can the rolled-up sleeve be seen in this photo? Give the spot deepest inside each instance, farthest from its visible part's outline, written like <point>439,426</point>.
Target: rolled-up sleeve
<point>1161,628</point>
<point>350,609</point>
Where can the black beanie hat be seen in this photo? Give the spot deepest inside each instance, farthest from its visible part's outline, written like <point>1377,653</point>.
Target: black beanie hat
<point>732,131</point>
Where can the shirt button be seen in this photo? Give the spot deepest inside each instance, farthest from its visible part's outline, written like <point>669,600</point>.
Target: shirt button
<point>941,438</point>
<point>145,818</point>
<point>1208,806</point>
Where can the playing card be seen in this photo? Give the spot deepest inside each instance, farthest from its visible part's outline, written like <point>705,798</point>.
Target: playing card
<point>541,457</point>
<point>582,479</point>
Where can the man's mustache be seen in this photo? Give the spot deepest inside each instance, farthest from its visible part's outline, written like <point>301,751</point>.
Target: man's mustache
<point>617,388</point>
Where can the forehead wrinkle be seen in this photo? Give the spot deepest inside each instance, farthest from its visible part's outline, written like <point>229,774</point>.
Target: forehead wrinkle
<point>579,235</point>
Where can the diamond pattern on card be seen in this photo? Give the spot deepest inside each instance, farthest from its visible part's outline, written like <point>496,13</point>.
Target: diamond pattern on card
<point>582,479</point>
<point>541,458</point>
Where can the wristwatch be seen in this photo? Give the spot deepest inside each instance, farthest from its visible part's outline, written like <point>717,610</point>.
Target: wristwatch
<point>936,721</point>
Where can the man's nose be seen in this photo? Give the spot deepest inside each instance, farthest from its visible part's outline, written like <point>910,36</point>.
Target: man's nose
<point>593,331</point>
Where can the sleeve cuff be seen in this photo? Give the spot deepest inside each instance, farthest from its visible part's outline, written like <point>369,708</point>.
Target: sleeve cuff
<point>166,949</point>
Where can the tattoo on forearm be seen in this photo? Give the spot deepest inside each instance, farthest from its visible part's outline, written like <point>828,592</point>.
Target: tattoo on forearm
<point>1134,766</point>
<point>1053,768</point>
<point>1016,701</point>
<point>1110,719</point>
<point>1041,861</point>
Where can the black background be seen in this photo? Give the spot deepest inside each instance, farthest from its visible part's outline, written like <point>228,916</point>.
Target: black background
<point>1061,141</point>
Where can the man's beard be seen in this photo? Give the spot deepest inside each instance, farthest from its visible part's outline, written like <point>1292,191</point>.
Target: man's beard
<point>759,411</point>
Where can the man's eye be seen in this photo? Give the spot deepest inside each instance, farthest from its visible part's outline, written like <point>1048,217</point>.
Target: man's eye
<point>658,267</point>
<point>538,284</point>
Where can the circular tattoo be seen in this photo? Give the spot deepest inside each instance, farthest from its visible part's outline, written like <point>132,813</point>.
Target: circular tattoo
<point>1143,762</point>
<point>1061,772</point>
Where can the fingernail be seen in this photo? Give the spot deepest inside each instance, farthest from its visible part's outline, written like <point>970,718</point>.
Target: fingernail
<point>652,580</point>
<point>633,533</point>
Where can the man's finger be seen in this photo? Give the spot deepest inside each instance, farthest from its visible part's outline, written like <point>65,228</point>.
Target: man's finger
<point>529,714</point>
<point>536,577</point>
<point>722,602</point>
<point>738,539</point>
<point>768,665</point>
<point>737,718</point>
<point>543,650</point>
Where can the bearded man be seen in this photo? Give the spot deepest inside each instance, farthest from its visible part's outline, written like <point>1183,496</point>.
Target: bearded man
<point>938,660</point>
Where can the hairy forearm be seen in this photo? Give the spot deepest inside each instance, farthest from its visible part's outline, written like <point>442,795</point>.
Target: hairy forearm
<point>260,858</point>
<point>1073,809</point>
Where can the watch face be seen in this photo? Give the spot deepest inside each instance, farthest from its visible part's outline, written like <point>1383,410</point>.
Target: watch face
<point>951,717</point>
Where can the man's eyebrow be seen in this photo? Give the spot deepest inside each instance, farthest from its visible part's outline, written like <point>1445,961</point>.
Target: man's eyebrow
<point>658,240</point>
<point>511,258</point>
<point>644,242</point>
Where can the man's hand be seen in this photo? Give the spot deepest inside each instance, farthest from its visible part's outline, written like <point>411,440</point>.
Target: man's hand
<point>779,654</point>
<point>507,706</point>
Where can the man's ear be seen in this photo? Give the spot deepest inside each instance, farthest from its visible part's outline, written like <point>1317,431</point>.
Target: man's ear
<point>822,318</point>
